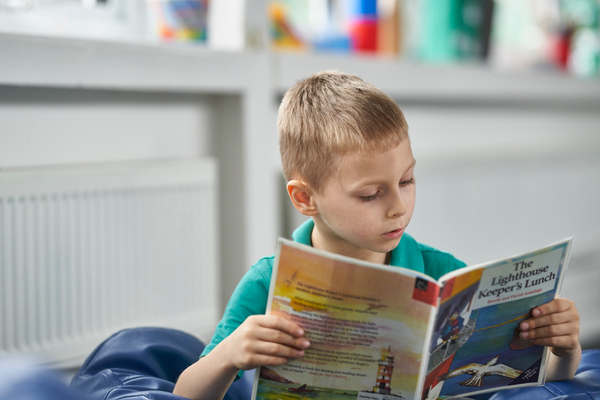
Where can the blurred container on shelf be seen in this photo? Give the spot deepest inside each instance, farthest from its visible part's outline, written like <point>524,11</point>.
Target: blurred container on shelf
<point>439,32</point>
<point>328,25</point>
<point>180,20</point>
<point>454,30</point>
<point>584,59</point>
<point>227,25</point>
<point>582,19</point>
<point>476,28</point>
<point>522,33</point>
<point>389,33</point>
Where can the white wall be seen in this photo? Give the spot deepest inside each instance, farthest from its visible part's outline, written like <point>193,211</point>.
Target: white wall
<point>46,126</point>
<point>496,179</point>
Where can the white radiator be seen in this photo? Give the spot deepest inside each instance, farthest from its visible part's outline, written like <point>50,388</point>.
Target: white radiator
<point>88,250</point>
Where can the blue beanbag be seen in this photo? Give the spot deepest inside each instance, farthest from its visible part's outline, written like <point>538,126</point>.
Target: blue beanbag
<point>144,364</point>
<point>584,386</point>
<point>25,379</point>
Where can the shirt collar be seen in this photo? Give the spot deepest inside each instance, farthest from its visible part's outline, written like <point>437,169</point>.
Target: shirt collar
<point>303,232</point>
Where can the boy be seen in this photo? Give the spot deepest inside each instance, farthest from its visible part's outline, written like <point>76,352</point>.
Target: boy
<point>346,154</point>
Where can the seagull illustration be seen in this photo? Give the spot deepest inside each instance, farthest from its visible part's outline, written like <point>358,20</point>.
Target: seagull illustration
<point>291,280</point>
<point>480,371</point>
<point>375,306</point>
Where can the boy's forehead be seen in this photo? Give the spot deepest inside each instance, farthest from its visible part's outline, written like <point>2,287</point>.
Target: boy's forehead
<point>364,163</point>
<point>401,153</point>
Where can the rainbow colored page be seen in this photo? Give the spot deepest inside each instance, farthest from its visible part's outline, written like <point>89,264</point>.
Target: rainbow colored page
<point>368,325</point>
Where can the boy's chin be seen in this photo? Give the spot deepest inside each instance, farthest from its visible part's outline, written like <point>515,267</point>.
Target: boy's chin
<point>389,246</point>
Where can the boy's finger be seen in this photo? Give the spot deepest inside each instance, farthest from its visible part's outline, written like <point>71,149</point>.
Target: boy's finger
<point>270,360</point>
<point>281,324</point>
<point>557,342</point>
<point>277,350</point>
<point>549,331</point>
<point>281,337</point>
<point>552,319</point>
<point>552,307</point>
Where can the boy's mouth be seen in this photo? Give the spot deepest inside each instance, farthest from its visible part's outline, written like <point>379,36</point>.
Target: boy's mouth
<point>395,234</point>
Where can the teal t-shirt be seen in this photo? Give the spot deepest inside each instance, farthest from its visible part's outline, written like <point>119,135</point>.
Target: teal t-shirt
<point>251,295</point>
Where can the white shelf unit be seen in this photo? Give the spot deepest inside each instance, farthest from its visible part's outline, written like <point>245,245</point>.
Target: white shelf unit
<point>67,62</point>
<point>476,134</point>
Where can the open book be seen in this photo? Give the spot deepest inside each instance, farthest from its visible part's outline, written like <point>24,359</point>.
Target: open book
<point>381,332</point>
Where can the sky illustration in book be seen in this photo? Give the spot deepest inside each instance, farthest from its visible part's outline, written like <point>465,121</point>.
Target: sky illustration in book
<point>496,338</point>
<point>356,319</point>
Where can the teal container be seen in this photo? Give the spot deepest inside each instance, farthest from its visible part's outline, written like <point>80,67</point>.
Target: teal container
<point>456,30</point>
<point>441,26</point>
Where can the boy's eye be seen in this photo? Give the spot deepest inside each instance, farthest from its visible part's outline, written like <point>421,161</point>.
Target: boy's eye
<point>408,182</point>
<point>371,197</point>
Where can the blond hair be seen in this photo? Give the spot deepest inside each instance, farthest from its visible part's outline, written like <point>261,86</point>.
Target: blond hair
<point>328,115</point>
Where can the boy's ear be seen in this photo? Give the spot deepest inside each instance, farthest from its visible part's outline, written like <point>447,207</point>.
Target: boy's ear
<point>301,197</point>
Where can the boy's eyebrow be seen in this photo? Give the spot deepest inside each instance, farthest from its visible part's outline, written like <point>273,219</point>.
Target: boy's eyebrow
<point>412,165</point>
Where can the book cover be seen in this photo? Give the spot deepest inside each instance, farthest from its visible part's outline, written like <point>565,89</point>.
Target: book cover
<point>476,345</point>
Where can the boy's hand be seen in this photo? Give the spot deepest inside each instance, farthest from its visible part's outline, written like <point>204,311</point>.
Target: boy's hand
<point>264,340</point>
<point>554,324</point>
<point>260,340</point>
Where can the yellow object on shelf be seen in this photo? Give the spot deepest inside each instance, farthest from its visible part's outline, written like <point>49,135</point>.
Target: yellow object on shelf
<point>283,35</point>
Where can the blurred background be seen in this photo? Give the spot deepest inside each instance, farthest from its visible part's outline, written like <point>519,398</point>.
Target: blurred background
<point>139,170</point>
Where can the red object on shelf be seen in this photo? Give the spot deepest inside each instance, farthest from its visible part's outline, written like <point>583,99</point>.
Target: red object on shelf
<point>562,48</point>
<point>363,35</point>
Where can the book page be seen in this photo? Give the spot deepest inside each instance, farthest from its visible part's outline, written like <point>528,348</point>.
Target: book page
<point>476,346</point>
<point>367,327</point>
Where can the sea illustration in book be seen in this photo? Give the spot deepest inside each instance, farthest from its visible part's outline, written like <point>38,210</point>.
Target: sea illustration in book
<point>475,345</point>
<point>367,328</point>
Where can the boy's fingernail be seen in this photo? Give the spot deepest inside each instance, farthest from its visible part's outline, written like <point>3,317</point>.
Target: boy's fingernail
<point>524,335</point>
<point>305,343</point>
<point>536,312</point>
<point>300,353</point>
<point>524,326</point>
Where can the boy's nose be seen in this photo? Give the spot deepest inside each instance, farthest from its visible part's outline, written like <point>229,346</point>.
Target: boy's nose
<point>398,207</point>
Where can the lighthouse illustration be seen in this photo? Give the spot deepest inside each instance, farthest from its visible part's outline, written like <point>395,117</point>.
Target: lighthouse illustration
<point>384,373</point>
<point>382,389</point>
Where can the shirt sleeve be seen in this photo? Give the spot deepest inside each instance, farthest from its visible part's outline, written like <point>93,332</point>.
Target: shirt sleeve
<point>249,298</point>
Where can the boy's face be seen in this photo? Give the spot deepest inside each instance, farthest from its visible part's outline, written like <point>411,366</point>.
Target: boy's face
<point>363,211</point>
